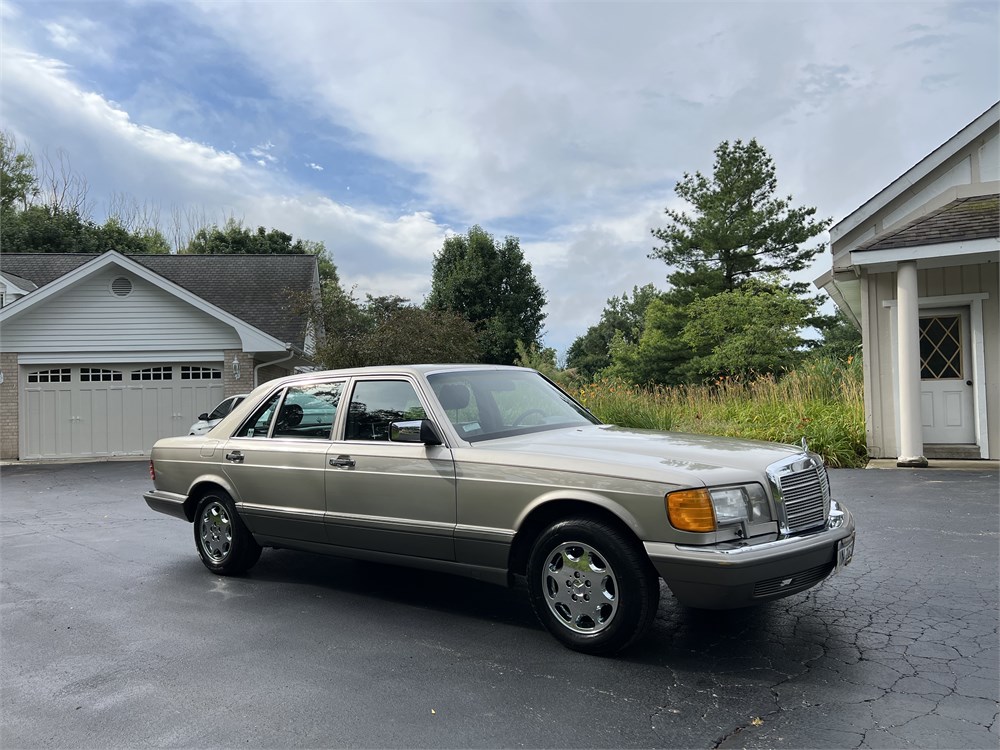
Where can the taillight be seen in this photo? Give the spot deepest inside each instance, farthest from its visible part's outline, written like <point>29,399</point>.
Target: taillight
<point>152,471</point>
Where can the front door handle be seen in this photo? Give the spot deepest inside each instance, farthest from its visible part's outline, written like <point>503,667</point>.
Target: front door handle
<point>235,456</point>
<point>343,462</point>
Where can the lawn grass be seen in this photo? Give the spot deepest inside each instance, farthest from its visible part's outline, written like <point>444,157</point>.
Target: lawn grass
<point>823,401</point>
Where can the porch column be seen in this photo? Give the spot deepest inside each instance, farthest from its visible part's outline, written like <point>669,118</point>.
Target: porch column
<point>911,441</point>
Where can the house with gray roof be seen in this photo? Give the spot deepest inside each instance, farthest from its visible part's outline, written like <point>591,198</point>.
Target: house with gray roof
<point>101,355</point>
<point>917,268</point>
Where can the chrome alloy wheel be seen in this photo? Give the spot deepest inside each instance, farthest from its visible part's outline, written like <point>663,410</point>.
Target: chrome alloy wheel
<point>216,531</point>
<point>580,587</point>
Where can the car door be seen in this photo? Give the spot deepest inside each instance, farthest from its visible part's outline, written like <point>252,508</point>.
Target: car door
<point>389,496</point>
<point>277,461</point>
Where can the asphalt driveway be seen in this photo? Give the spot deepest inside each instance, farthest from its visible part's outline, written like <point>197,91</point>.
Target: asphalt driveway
<point>112,634</point>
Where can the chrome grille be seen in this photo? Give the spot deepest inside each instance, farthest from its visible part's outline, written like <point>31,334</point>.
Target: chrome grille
<point>802,489</point>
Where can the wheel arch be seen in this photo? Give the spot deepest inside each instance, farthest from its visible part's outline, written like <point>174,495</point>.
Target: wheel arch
<point>201,487</point>
<point>557,506</point>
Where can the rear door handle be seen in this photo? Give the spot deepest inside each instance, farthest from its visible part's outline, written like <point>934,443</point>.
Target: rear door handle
<point>235,456</point>
<point>343,462</point>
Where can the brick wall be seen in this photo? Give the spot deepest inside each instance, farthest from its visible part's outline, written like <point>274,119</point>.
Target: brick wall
<point>231,386</point>
<point>271,372</point>
<point>9,425</point>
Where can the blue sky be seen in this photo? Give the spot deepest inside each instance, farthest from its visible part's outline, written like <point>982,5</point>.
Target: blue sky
<point>380,128</point>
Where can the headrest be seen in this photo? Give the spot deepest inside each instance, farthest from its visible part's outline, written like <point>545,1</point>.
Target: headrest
<point>454,396</point>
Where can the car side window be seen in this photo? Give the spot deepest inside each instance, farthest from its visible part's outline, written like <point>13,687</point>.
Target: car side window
<point>308,411</point>
<point>223,409</point>
<point>259,424</point>
<point>377,403</point>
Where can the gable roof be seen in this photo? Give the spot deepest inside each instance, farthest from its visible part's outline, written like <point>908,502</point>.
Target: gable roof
<point>257,289</point>
<point>988,119</point>
<point>22,285</point>
<point>964,219</point>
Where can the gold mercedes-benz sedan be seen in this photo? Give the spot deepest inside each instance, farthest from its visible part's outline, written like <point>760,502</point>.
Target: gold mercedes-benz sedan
<point>496,473</point>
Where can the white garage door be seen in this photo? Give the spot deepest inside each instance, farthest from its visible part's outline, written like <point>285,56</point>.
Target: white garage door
<point>112,409</point>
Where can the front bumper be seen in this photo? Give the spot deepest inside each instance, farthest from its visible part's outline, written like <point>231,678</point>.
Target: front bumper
<point>752,572</point>
<point>167,502</point>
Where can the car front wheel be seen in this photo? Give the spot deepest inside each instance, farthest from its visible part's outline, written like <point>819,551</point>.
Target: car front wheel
<point>591,586</point>
<point>225,544</point>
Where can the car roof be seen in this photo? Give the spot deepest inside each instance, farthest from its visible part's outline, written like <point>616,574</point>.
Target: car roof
<point>399,370</point>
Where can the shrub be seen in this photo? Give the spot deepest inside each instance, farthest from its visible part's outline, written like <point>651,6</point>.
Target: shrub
<point>822,400</point>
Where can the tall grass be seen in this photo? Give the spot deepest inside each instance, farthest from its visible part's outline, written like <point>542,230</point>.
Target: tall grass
<point>823,400</point>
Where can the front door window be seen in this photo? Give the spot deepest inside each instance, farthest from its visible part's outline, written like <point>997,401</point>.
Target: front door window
<point>941,347</point>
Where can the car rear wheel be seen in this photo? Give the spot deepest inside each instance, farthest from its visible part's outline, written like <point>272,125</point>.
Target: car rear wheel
<point>224,543</point>
<point>591,586</point>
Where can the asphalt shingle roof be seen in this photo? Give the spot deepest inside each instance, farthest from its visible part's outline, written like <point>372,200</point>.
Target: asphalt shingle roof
<point>255,288</point>
<point>964,219</point>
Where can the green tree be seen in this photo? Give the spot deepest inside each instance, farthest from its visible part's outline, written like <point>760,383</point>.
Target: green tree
<point>590,353</point>
<point>29,224</point>
<point>659,355</point>
<point>235,238</point>
<point>18,180</point>
<point>113,236</point>
<point>386,331</point>
<point>841,338</point>
<point>49,229</point>
<point>543,359</point>
<point>738,230</point>
<point>750,331</point>
<point>491,285</point>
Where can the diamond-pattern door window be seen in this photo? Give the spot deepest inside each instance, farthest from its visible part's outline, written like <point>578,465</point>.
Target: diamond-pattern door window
<point>941,347</point>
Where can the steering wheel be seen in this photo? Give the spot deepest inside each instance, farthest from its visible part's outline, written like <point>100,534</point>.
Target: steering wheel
<point>292,414</point>
<point>525,414</point>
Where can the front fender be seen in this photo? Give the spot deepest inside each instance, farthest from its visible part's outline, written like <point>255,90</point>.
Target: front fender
<point>583,496</point>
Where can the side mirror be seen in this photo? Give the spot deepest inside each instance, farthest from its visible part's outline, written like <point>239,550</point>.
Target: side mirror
<point>203,416</point>
<point>415,431</point>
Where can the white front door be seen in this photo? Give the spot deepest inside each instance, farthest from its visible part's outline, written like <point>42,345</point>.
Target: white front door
<point>946,387</point>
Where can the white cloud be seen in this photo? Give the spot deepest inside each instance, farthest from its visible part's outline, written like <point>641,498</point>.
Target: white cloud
<point>262,154</point>
<point>83,37</point>
<point>570,120</point>
<point>39,99</point>
<point>558,109</point>
<point>118,155</point>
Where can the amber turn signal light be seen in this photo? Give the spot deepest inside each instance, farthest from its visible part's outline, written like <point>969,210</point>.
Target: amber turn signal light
<point>691,510</point>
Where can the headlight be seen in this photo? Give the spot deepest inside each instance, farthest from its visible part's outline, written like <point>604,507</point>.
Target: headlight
<point>707,509</point>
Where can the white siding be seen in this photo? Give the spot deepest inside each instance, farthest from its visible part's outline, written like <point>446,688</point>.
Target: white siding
<point>88,317</point>
<point>989,160</point>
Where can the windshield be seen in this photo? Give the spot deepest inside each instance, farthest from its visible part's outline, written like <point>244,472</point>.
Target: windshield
<point>485,404</point>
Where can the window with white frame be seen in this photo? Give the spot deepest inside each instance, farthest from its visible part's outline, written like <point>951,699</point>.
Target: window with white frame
<point>97,375</point>
<point>200,373</point>
<point>153,373</point>
<point>60,375</point>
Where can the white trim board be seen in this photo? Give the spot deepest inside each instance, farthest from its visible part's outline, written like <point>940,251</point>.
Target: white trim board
<point>78,358</point>
<point>930,256</point>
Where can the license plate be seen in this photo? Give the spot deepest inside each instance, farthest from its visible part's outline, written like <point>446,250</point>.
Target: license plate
<point>845,552</point>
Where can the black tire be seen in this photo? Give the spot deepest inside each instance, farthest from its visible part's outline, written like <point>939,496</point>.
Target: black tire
<point>592,586</point>
<point>224,543</point>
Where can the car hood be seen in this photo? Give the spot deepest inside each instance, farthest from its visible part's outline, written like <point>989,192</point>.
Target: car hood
<point>673,457</point>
